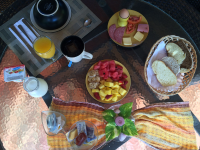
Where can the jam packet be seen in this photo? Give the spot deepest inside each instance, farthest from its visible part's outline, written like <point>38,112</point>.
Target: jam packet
<point>14,73</point>
<point>80,139</point>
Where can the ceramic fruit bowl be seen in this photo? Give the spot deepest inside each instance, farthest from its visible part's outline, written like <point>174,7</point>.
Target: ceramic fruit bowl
<point>112,81</point>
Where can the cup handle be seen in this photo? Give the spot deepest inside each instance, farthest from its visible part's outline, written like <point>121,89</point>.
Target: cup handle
<point>87,55</point>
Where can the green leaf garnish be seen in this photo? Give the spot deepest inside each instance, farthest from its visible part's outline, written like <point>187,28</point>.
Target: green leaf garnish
<point>112,131</point>
<point>129,128</point>
<point>109,115</point>
<point>125,110</point>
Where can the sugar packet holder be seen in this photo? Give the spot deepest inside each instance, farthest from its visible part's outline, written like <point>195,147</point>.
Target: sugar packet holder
<point>15,73</point>
<point>54,123</point>
<point>81,127</point>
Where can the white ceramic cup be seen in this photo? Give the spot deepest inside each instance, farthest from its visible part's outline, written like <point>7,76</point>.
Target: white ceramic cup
<point>73,48</point>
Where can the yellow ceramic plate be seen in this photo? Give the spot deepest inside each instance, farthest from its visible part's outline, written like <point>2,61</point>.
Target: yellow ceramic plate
<point>125,71</point>
<point>113,20</point>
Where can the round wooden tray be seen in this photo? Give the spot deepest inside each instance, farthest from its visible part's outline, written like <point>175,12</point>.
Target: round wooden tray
<point>113,20</point>
<point>125,71</point>
<point>187,76</point>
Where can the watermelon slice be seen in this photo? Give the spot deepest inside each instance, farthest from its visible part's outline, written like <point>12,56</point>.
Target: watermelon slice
<point>115,74</point>
<point>125,82</point>
<point>108,96</point>
<point>112,62</point>
<point>123,86</point>
<point>104,64</point>
<point>103,73</point>
<point>119,67</point>
<point>124,76</point>
<point>96,95</point>
<point>99,63</point>
<point>112,67</point>
<point>107,68</point>
<point>96,67</point>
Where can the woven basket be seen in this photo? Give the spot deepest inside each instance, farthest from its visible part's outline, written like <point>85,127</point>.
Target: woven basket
<point>187,76</point>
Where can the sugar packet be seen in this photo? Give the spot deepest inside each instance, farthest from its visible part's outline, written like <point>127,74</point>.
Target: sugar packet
<point>81,127</point>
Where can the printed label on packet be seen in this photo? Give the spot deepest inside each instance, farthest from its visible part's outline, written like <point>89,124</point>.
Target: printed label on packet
<point>14,73</point>
<point>90,132</point>
<point>81,127</point>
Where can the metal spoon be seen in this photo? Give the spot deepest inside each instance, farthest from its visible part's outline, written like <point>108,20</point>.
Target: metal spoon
<point>86,24</point>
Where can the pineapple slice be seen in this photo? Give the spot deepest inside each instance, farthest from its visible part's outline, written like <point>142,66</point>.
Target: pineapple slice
<point>95,90</point>
<point>102,97</point>
<point>122,91</point>
<point>109,80</point>
<point>108,91</point>
<point>104,89</point>
<point>116,85</point>
<point>117,94</point>
<point>101,93</point>
<point>115,91</point>
<point>115,98</point>
<point>108,84</point>
<point>101,86</point>
<point>102,81</point>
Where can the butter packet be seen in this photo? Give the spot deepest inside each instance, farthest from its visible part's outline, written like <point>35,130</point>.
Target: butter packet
<point>14,73</point>
<point>81,127</point>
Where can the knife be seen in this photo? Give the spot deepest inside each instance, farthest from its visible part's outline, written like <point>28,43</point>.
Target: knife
<point>29,47</point>
<point>22,29</point>
<point>29,26</point>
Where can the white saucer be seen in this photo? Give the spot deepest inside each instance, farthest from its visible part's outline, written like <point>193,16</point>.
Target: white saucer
<point>45,30</point>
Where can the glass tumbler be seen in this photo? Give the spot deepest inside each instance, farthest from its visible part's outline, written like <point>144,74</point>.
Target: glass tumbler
<point>44,47</point>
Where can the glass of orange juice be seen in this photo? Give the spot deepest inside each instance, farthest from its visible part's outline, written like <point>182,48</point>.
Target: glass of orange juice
<point>44,47</point>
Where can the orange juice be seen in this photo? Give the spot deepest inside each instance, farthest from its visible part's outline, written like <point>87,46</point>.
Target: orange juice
<point>44,47</point>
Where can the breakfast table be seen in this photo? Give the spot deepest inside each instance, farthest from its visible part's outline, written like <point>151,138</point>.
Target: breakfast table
<point>68,84</point>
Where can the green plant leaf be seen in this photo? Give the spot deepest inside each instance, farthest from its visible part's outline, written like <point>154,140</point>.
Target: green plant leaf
<point>125,110</point>
<point>129,128</point>
<point>112,131</point>
<point>109,115</point>
<point>119,129</point>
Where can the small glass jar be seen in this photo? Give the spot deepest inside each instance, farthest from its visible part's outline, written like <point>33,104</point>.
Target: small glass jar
<point>36,87</point>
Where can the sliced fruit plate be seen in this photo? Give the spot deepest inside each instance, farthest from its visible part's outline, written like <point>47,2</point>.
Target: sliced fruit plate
<point>108,81</point>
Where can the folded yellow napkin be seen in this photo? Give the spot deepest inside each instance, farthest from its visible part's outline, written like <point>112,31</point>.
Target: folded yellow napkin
<point>166,126</point>
<point>76,111</point>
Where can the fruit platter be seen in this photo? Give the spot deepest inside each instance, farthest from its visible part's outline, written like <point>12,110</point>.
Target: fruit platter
<point>108,81</point>
<point>131,35</point>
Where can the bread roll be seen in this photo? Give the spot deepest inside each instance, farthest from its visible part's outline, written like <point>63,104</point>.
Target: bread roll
<point>164,75</point>
<point>172,64</point>
<point>187,64</point>
<point>176,52</point>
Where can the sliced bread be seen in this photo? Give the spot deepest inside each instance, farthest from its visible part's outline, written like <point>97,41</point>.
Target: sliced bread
<point>164,75</point>
<point>176,52</point>
<point>187,64</point>
<point>172,64</point>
